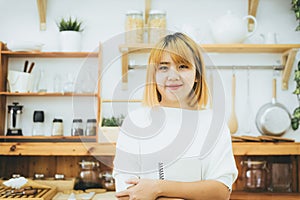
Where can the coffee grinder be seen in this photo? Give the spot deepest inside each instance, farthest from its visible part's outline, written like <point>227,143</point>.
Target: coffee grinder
<point>14,119</point>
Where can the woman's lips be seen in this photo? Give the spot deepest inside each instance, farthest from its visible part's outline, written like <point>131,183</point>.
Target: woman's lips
<point>173,87</point>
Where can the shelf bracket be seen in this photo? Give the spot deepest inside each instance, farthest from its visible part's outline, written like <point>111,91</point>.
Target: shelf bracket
<point>42,7</point>
<point>252,9</point>
<point>287,59</point>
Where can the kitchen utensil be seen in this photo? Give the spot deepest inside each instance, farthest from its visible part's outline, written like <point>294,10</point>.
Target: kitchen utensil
<point>273,118</point>
<point>31,67</point>
<point>233,123</point>
<point>25,66</point>
<point>107,180</point>
<point>230,28</point>
<point>89,175</point>
<point>14,119</point>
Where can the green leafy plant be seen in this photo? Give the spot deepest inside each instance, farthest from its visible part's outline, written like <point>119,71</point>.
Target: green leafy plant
<point>70,24</point>
<point>296,9</point>
<point>113,121</point>
<point>296,115</point>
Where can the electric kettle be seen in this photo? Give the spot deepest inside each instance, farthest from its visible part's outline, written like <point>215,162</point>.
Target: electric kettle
<point>14,119</point>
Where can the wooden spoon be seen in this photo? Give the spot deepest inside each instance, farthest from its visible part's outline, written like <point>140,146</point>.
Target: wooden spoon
<point>233,123</point>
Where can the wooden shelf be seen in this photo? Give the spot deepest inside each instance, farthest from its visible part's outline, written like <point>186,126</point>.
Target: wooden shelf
<point>48,138</point>
<point>236,195</point>
<point>288,52</point>
<point>42,54</point>
<point>48,94</point>
<point>108,149</point>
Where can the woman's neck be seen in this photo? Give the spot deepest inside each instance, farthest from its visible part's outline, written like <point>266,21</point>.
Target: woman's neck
<point>177,104</point>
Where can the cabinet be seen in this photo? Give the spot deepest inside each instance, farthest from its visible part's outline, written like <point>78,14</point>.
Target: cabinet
<point>68,98</point>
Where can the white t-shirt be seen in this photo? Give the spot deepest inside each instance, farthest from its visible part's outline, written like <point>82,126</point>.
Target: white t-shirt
<point>192,145</point>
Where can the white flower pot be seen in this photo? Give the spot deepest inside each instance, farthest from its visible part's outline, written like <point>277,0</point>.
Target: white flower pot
<point>70,41</point>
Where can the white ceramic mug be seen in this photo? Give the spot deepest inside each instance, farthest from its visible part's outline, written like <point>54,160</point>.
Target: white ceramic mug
<point>19,81</point>
<point>270,38</point>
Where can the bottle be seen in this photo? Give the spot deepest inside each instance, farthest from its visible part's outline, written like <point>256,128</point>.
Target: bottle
<point>57,127</point>
<point>156,25</point>
<point>77,127</point>
<point>90,127</point>
<point>134,27</point>
<point>38,123</point>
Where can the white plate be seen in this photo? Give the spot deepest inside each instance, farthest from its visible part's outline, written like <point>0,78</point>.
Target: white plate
<point>25,46</point>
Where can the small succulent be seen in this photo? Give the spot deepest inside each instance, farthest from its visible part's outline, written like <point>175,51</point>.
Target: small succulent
<point>296,114</point>
<point>296,9</point>
<point>113,121</point>
<point>70,24</point>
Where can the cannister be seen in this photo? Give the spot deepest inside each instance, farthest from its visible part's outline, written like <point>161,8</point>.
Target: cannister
<point>255,174</point>
<point>91,127</point>
<point>134,25</point>
<point>57,127</point>
<point>77,127</point>
<point>156,25</point>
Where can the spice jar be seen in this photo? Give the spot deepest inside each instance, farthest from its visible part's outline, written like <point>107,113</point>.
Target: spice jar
<point>89,175</point>
<point>156,25</point>
<point>57,127</point>
<point>255,174</point>
<point>90,127</point>
<point>134,25</point>
<point>77,127</point>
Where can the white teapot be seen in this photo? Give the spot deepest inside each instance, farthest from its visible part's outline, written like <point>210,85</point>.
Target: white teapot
<point>231,29</point>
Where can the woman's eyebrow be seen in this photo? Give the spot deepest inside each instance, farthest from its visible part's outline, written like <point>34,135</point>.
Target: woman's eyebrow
<point>164,63</point>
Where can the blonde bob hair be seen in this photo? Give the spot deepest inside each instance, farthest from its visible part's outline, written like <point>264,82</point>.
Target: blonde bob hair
<point>183,50</point>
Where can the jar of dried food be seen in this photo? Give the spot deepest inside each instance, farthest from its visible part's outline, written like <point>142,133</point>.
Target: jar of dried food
<point>77,127</point>
<point>89,175</point>
<point>57,127</point>
<point>156,25</point>
<point>255,174</point>
<point>134,27</point>
<point>90,127</point>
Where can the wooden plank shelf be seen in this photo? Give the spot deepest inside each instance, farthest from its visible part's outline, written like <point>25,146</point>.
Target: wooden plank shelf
<point>48,138</point>
<point>43,54</point>
<point>108,149</point>
<point>47,94</point>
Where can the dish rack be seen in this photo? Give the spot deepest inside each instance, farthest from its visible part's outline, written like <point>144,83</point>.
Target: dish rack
<point>42,194</point>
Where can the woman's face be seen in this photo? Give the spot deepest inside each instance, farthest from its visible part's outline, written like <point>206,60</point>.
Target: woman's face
<point>174,81</point>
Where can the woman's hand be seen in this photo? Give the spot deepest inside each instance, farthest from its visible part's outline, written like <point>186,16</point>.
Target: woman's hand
<point>143,189</point>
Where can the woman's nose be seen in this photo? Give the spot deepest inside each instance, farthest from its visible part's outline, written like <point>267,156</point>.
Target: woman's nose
<point>173,75</point>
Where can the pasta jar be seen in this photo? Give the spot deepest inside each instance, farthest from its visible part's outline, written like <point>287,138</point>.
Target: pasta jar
<point>156,25</point>
<point>134,27</point>
<point>57,127</point>
<point>255,174</point>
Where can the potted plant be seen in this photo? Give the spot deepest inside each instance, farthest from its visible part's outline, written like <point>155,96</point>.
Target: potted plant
<point>110,128</point>
<point>296,114</point>
<point>70,34</point>
<point>296,9</point>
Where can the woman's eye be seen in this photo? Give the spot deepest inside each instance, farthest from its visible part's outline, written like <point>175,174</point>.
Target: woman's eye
<point>183,67</point>
<point>163,68</point>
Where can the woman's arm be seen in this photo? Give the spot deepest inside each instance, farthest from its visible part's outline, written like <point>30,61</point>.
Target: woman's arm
<point>153,189</point>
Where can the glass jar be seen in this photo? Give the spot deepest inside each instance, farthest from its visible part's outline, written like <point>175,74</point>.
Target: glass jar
<point>156,25</point>
<point>77,127</point>
<point>57,127</point>
<point>90,127</point>
<point>255,174</point>
<point>134,25</point>
<point>89,175</point>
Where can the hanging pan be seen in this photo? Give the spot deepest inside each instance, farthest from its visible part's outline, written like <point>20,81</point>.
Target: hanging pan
<point>273,118</point>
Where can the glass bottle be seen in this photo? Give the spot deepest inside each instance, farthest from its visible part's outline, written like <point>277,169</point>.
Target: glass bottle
<point>38,123</point>
<point>57,127</point>
<point>42,85</point>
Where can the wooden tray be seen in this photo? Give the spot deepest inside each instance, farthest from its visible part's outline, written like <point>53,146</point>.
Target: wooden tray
<point>42,194</point>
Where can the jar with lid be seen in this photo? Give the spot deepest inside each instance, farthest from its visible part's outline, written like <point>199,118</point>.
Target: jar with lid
<point>134,25</point>
<point>38,123</point>
<point>77,127</point>
<point>255,174</point>
<point>90,127</point>
<point>89,175</point>
<point>156,25</point>
<point>57,127</point>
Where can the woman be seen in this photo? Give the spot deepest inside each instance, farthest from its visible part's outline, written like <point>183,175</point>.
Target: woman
<point>174,148</point>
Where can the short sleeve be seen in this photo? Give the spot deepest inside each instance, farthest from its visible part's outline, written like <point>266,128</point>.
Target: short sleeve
<point>219,164</point>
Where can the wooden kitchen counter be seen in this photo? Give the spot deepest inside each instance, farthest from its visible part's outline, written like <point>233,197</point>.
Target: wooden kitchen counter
<point>264,196</point>
<point>108,149</point>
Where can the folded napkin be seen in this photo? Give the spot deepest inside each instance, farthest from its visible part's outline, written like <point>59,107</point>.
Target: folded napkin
<point>20,182</point>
